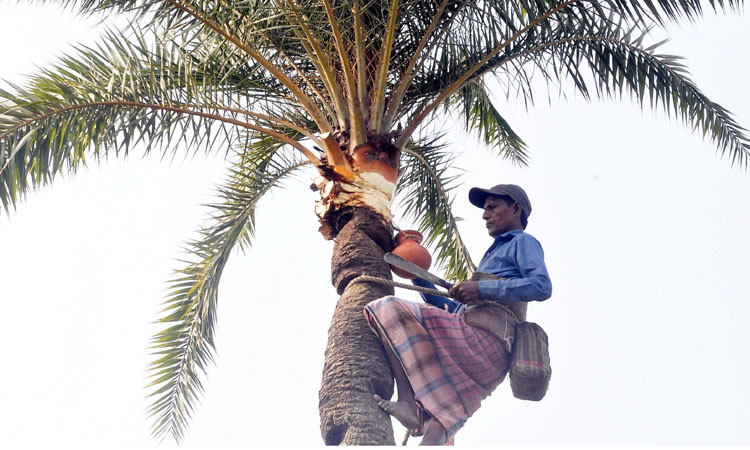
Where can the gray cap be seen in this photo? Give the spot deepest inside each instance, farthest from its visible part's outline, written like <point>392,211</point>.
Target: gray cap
<point>477,196</point>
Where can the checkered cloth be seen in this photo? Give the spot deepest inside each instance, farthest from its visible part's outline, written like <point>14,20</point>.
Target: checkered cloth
<point>451,365</point>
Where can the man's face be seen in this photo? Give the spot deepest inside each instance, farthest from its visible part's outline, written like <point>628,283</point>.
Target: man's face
<point>499,217</point>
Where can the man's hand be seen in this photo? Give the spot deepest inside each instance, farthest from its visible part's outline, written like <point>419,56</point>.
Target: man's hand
<point>465,292</point>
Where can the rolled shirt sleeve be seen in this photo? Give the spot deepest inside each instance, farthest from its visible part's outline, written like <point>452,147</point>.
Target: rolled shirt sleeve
<point>520,262</point>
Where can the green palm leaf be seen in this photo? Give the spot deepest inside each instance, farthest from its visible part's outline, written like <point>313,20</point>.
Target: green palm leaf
<point>424,193</point>
<point>106,100</point>
<point>562,51</point>
<point>617,64</point>
<point>186,346</point>
<point>483,119</point>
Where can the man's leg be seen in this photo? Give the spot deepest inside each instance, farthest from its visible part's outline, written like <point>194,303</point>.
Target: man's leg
<point>405,408</point>
<point>434,434</point>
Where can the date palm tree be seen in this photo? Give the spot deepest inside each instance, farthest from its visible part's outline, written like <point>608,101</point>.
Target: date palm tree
<point>340,89</point>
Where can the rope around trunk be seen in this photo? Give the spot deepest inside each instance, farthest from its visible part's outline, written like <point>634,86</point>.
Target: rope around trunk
<point>410,287</point>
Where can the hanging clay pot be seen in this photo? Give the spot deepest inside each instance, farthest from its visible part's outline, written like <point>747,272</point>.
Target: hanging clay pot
<point>368,159</point>
<point>409,247</point>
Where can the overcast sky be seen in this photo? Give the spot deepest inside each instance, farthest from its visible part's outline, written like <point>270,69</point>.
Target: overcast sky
<point>644,227</point>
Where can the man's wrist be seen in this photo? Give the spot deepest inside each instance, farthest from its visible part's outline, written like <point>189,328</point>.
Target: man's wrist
<point>488,289</point>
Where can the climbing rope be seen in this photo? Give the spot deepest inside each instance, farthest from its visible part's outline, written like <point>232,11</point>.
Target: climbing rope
<point>386,281</point>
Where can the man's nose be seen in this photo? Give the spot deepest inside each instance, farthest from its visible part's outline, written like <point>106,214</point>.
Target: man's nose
<point>485,215</point>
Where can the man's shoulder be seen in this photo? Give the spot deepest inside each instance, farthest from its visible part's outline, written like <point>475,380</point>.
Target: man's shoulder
<point>519,234</point>
<point>522,237</point>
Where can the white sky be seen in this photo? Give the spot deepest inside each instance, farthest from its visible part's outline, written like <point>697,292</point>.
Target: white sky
<point>644,229</point>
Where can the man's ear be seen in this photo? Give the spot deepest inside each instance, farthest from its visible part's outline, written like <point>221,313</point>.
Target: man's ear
<point>517,209</point>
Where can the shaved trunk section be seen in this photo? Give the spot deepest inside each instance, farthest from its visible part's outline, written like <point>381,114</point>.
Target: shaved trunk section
<point>355,363</point>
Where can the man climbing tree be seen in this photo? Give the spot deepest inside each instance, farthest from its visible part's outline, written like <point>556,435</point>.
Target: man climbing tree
<point>446,363</point>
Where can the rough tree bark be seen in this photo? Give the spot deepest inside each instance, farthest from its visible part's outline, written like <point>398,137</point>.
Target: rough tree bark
<point>355,363</point>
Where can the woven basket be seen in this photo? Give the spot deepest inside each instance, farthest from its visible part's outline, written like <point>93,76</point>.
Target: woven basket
<point>530,369</point>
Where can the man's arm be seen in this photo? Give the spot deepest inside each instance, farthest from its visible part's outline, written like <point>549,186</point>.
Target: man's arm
<point>534,283</point>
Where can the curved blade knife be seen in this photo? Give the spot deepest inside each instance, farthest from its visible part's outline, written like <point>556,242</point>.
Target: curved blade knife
<point>414,269</point>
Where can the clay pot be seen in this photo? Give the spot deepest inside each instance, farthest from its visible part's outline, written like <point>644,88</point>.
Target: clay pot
<point>409,247</point>
<point>369,159</point>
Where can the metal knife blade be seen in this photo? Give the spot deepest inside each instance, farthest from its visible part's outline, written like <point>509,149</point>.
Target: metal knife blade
<point>414,269</point>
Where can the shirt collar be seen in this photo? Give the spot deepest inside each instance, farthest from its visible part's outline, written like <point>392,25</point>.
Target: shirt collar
<point>508,235</point>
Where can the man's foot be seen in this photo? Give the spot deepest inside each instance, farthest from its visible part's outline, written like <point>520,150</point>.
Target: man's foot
<point>405,412</point>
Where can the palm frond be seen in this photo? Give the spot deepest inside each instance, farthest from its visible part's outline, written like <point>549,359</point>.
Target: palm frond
<point>185,347</point>
<point>109,98</point>
<point>482,118</point>
<point>424,193</point>
<point>616,63</point>
<point>469,67</point>
<point>579,46</point>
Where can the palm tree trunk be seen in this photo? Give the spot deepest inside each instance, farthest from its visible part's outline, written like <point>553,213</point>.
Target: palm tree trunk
<point>355,363</point>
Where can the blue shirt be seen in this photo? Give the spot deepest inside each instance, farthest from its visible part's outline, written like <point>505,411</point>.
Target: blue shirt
<point>516,256</point>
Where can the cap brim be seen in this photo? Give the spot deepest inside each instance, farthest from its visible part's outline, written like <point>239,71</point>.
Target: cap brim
<point>477,196</point>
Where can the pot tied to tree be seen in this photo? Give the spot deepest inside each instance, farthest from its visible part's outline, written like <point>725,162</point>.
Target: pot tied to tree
<point>408,247</point>
<point>367,178</point>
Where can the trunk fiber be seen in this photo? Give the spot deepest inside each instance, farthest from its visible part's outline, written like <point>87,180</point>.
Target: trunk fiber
<point>355,363</point>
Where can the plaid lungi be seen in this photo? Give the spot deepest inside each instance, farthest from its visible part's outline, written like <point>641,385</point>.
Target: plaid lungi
<point>451,365</point>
